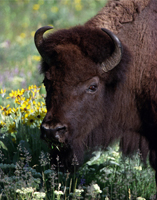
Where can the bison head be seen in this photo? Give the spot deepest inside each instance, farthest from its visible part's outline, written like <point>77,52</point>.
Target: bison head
<point>80,78</point>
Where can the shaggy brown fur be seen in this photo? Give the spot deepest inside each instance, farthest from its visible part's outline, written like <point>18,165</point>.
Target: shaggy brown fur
<point>124,105</point>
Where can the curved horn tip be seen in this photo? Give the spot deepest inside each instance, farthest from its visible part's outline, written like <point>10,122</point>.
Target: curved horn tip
<point>39,40</point>
<point>44,28</point>
<point>116,57</point>
<point>38,37</point>
<point>111,35</point>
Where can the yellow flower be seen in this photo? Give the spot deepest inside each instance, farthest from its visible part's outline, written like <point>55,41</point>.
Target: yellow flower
<point>39,115</point>
<point>32,33</point>
<point>12,94</point>
<point>31,111</point>
<point>20,92</point>
<point>15,94</point>
<point>5,110</point>
<point>30,120</point>
<point>43,103</point>
<point>22,35</point>
<point>2,124</point>
<point>31,87</point>
<point>2,92</point>
<point>77,1</point>
<point>25,106</point>
<point>39,104</point>
<point>78,5</point>
<point>15,111</point>
<point>33,94</point>
<point>19,99</point>
<point>28,100</point>
<point>44,110</point>
<point>54,9</point>
<point>36,58</point>
<point>12,128</point>
<point>36,7</point>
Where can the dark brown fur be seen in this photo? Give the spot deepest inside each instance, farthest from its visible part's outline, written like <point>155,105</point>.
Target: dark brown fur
<point>125,105</point>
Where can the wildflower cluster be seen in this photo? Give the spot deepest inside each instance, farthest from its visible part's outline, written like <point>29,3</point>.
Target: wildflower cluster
<point>28,109</point>
<point>30,192</point>
<point>93,190</point>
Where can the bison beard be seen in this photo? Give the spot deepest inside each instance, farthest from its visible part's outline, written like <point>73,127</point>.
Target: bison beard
<point>98,91</point>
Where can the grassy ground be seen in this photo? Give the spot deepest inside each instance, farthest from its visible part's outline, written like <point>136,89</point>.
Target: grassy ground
<point>25,170</point>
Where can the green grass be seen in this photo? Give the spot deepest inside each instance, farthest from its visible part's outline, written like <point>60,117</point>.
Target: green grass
<point>25,169</point>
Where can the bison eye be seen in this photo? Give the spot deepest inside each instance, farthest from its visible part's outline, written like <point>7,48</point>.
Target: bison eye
<point>92,88</point>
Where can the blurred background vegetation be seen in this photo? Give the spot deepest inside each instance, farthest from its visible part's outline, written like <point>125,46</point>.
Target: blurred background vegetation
<point>19,59</point>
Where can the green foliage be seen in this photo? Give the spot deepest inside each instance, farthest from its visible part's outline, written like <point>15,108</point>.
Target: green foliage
<point>107,175</point>
<point>120,177</point>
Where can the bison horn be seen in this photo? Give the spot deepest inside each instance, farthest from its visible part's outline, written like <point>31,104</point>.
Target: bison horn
<point>116,57</point>
<point>38,39</point>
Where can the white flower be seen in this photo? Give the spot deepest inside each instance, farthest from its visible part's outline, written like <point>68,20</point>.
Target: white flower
<point>78,192</point>
<point>39,195</point>
<point>116,154</point>
<point>140,198</point>
<point>93,189</point>
<point>25,190</point>
<point>139,168</point>
<point>58,192</point>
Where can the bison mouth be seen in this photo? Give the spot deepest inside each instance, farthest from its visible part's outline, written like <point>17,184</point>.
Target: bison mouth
<point>62,155</point>
<point>52,142</point>
<point>55,137</point>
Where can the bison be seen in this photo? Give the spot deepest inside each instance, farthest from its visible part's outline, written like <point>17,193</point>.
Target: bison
<point>101,82</point>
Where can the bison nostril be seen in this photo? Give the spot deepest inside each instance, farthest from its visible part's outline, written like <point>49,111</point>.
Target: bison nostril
<point>56,132</point>
<point>61,128</point>
<point>44,127</point>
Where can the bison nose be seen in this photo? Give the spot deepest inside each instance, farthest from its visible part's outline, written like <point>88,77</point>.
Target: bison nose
<point>54,133</point>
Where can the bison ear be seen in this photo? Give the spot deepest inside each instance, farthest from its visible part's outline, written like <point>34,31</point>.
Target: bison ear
<point>116,56</point>
<point>39,40</point>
